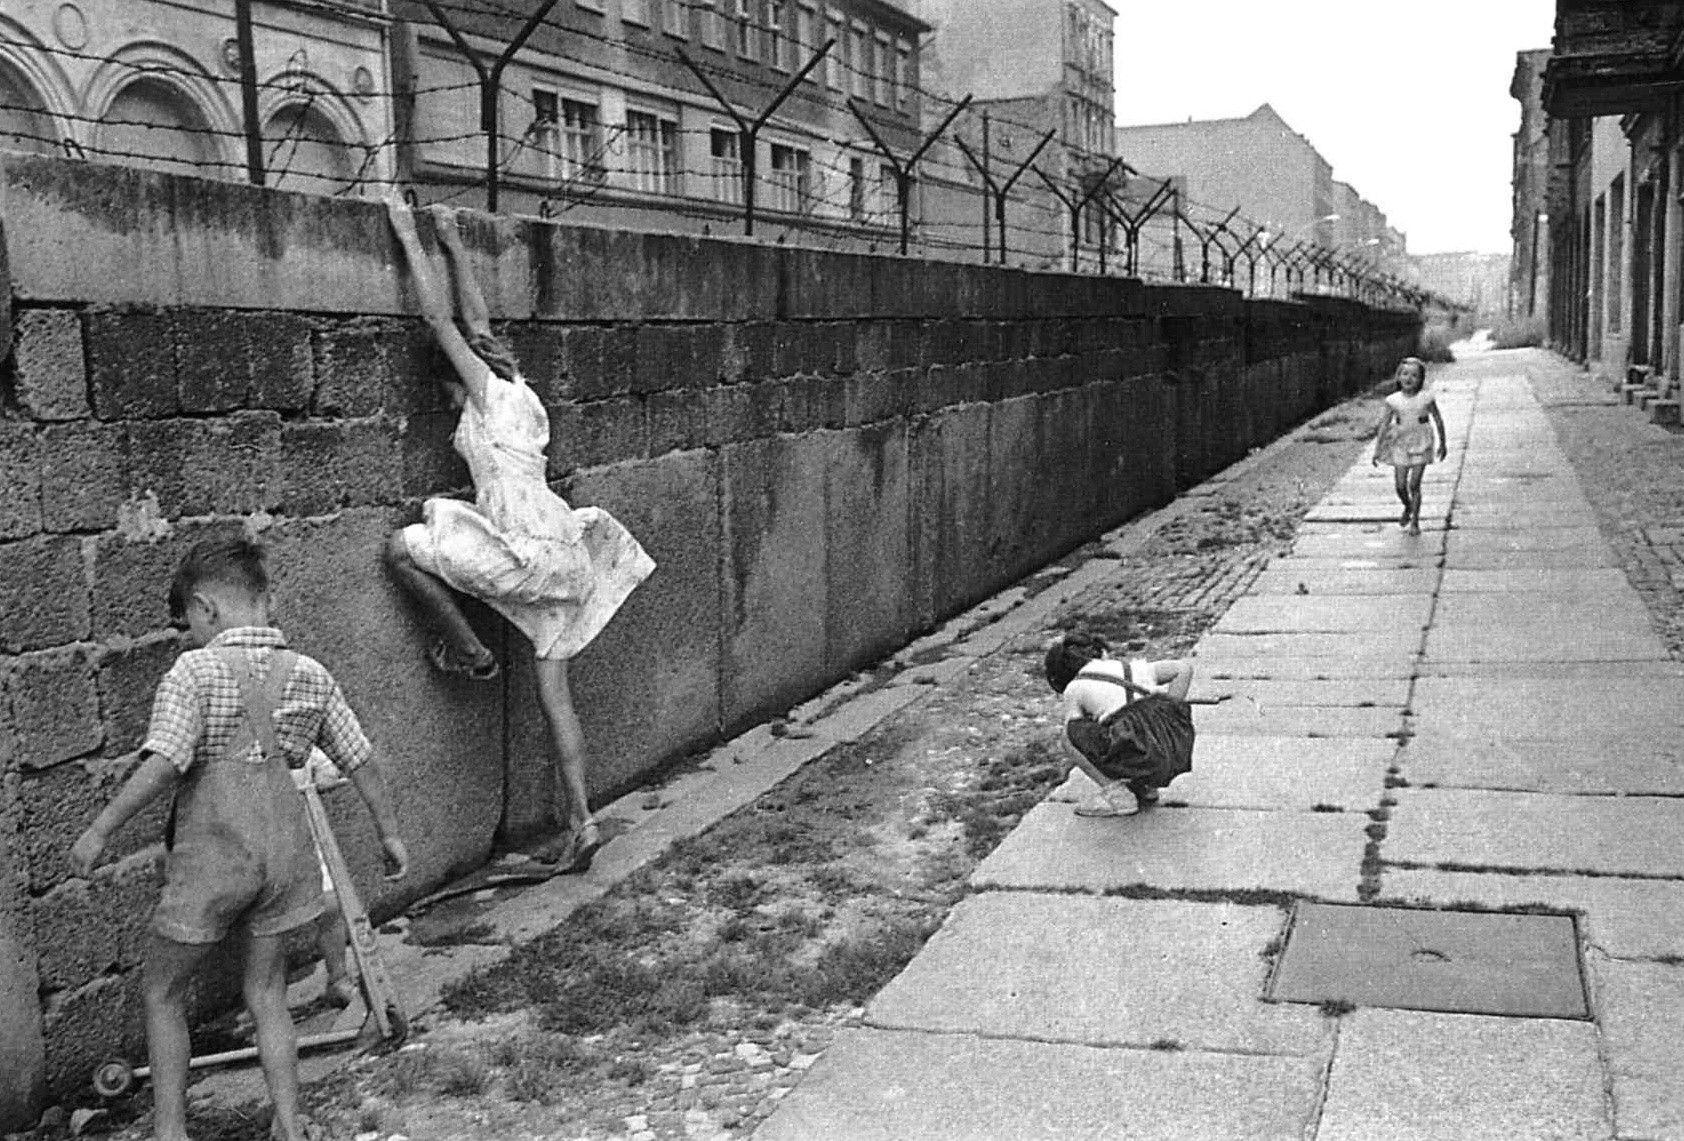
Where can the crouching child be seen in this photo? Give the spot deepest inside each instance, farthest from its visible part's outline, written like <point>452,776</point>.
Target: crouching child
<point>1127,724</point>
<point>230,719</point>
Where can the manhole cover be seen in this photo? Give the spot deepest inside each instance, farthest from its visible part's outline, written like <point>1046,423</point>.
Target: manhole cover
<point>1467,962</point>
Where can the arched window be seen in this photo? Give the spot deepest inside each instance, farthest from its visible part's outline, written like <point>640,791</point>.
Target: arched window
<point>152,123</point>
<point>303,150</point>
<point>25,124</point>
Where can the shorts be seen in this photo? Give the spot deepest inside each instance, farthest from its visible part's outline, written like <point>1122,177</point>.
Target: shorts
<point>208,892</point>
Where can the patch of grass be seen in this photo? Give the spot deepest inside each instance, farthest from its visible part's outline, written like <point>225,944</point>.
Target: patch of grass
<point>1326,808</point>
<point>1337,1007</point>
<point>1169,1045</point>
<point>437,1070</point>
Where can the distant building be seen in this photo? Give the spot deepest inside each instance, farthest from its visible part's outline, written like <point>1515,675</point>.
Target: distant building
<point>1032,67</point>
<point>1479,281</point>
<point>1276,178</point>
<point>155,83</point>
<point>1529,227</point>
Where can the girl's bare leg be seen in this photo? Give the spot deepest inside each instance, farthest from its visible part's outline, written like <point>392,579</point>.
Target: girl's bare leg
<point>1400,484</point>
<point>572,803</point>
<point>438,605</point>
<point>1415,474</point>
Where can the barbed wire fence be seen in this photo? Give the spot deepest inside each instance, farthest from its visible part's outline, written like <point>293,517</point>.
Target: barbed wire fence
<point>1094,213</point>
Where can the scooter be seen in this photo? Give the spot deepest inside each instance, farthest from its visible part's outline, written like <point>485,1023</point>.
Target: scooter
<point>386,1022</point>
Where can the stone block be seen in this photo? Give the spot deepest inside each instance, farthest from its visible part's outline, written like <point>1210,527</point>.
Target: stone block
<point>604,432</point>
<point>655,349</point>
<point>84,475</point>
<point>52,375</point>
<point>807,403</point>
<point>351,369</point>
<point>541,349</point>
<point>131,364</point>
<point>43,593</point>
<point>774,590</point>
<point>127,678</point>
<point>677,421</point>
<point>92,1023</point>
<point>55,707</point>
<point>20,474</point>
<point>871,397</point>
<point>866,543</point>
<point>278,361</point>
<point>212,359</point>
<point>88,928</point>
<point>741,412</point>
<point>229,465</point>
<point>328,465</point>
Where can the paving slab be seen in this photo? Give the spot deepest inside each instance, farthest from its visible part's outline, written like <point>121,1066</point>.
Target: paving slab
<point>1286,576</point>
<point>1101,972</point>
<point>881,1085</point>
<point>1360,692</point>
<point>1274,613</point>
<point>1641,1007</point>
<point>1615,766</point>
<point>1642,668</point>
<point>1380,521</point>
<point>1570,636</point>
<point>1482,540</point>
<point>1394,543</point>
<point>1495,709</point>
<point>1623,918</point>
<point>1366,509</point>
<point>1252,718</point>
<point>1232,665</point>
<point>1599,835</point>
<point>1302,853</point>
<point>1564,607</point>
<point>1385,643</point>
<point>1608,583</point>
<point>1280,773</point>
<point>1582,557</point>
<point>1479,516</point>
<point>1405,1075</point>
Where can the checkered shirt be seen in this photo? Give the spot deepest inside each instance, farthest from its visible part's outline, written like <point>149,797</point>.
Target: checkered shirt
<point>197,710</point>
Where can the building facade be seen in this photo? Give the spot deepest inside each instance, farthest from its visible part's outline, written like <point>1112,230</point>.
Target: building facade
<point>1528,289</point>
<point>600,118</point>
<point>156,83</point>
<point>1615,235</point>
<point>1278,181</point>
<point>1034,69</point>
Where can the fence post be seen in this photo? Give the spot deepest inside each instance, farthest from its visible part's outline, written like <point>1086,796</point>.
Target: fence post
<point>248,91</point>
<point>903,171</point>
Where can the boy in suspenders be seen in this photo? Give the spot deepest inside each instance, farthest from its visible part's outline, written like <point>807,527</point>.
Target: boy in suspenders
<point>229,721</point>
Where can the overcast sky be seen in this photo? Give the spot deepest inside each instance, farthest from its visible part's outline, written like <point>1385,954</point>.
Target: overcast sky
<point>1409,102</point>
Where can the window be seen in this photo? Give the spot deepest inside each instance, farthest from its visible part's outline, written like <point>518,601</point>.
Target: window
<point>675,17</point>
<point>903,76</point>
<point>881,71</point>
<point>859,63</point>
<point>713,22</point>
<point>888,195</point>
<point>747,33</point>
<point>791,179</point>
<point>856,189</point>
<point>1616,251</point>
<point>806,37</point>
<point>635,12</point>
<point>726,172</point>
<point>778,52</point>
<point>836,63</point>
<point>568,138</point>
<point>652,152</point>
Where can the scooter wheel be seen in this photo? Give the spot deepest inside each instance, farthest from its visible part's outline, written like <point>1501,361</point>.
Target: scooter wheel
<point>113,1078</point>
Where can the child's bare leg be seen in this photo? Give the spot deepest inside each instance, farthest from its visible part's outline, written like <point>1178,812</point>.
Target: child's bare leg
<point>168,971</point>
<point>556,698</point>
<point>1400,484</point>
<point>277,1048</point>
<point>1415,474</point>
<point>437,603</point>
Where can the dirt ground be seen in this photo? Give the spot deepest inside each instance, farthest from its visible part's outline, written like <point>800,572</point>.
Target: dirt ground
<point>695,994</point>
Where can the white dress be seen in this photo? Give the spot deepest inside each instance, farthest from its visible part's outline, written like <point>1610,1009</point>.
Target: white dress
<point>557,573</point>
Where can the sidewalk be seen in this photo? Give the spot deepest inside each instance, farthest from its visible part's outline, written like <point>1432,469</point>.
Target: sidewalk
<point>1473,733</point>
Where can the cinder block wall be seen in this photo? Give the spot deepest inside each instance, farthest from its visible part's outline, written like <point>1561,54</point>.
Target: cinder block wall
<point>825,454</point>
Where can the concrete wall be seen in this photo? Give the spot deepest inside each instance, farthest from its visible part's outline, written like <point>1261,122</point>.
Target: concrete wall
<point>825,453</point>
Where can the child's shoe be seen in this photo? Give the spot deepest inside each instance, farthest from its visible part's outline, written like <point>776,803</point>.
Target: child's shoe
<point>1113,800</point>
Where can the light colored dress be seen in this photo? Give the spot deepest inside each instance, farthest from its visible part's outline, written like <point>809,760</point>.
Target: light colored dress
<point>1410,442</point>
<point>557,573</point>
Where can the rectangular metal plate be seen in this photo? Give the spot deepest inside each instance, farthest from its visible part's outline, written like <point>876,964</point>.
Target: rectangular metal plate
<point>1467,962</point>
